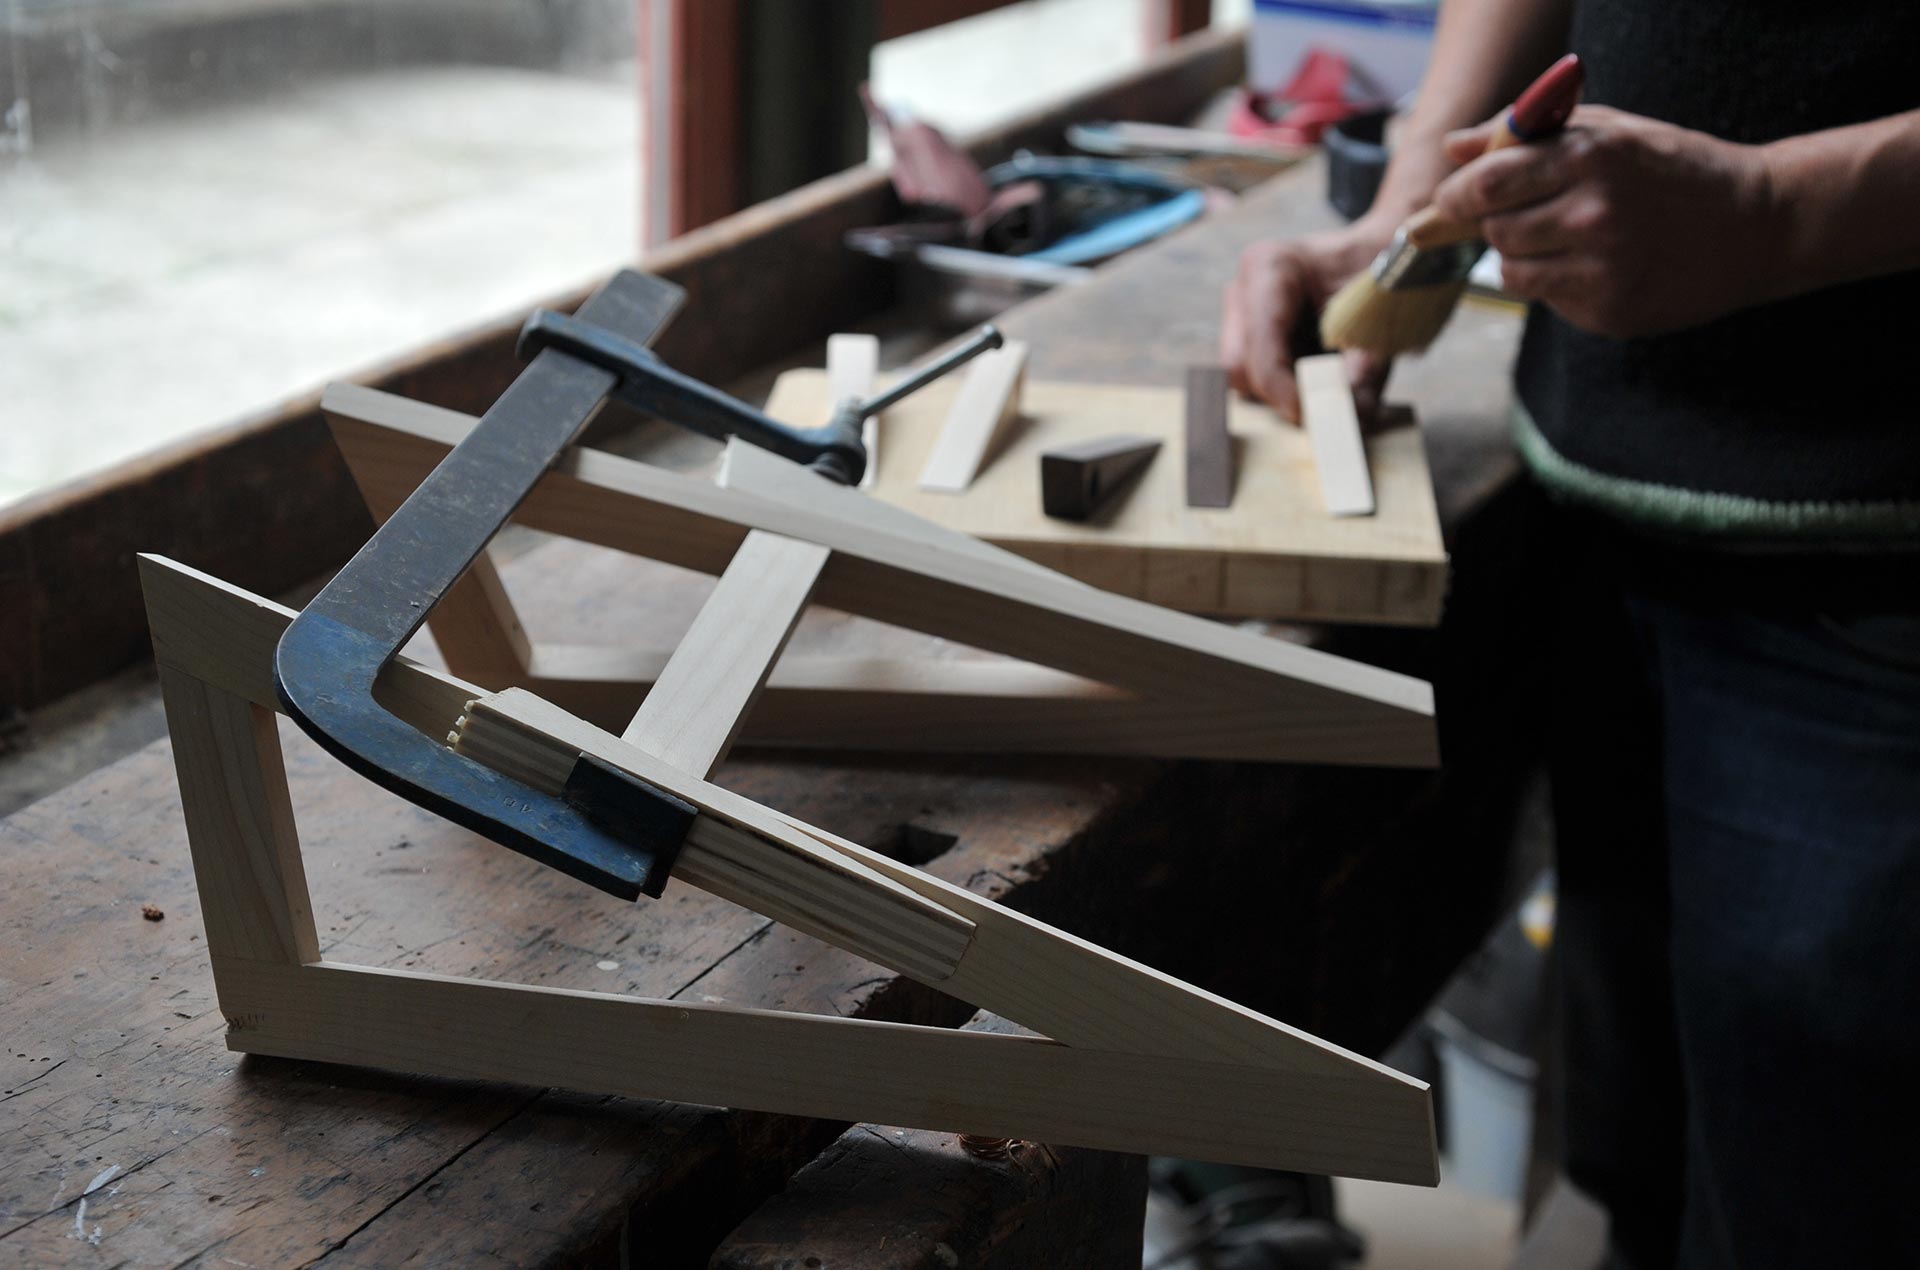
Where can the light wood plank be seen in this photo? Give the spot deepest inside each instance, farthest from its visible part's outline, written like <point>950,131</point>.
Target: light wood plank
<point>853,364</point>
<point>246,852</point>
<point>693,713</point>
<point>840,1069</point>
<point>982,409</point>
<point>1339,450</point>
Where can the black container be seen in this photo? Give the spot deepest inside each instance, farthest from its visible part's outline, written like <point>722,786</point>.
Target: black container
<point>1356,160</point>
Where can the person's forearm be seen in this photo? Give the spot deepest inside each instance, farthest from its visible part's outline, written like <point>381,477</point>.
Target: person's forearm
<point>1844,202</point>
<point>1484,53</point>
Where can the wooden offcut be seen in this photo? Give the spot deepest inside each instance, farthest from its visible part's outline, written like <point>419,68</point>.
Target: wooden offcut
<point>1078,480</point>
<point>1274,554</point>
<point>983,408</point>
<point>1209,445</point>
<point>1339,451</point>
<point>853,363</point>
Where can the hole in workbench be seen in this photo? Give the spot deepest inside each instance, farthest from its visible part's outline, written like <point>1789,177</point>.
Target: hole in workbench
<point>915,844</point>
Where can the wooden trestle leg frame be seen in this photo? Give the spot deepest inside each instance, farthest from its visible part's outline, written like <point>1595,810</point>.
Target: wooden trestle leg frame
<point>1098,673</point>
<point>1129,1059</point>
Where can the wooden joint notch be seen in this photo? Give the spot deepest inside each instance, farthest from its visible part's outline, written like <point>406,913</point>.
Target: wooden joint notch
<point>1078,480</point>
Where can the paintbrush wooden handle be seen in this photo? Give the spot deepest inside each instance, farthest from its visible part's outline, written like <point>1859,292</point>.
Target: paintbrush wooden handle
<point>1542,111</point>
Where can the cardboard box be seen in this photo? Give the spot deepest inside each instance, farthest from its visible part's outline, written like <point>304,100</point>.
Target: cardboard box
<point>1387,41</point>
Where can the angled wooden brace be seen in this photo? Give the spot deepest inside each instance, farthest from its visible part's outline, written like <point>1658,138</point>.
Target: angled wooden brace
<point>1134,1060</point>
<point>1102,673</point>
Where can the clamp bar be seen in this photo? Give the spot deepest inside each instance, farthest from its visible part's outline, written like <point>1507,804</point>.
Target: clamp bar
<point>620,836</point>
<point>647,384</point>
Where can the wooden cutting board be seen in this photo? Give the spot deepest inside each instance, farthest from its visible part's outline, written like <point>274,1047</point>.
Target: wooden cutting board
<point>1275,553</point>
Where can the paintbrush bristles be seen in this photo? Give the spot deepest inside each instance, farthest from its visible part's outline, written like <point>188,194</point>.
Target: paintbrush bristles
<point>1363,314</point>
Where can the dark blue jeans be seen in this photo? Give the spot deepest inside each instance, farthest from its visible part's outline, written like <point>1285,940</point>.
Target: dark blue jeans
<point>1737,805</point>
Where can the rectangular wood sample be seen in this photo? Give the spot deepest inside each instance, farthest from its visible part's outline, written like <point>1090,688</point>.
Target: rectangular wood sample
<point>983,407</point>
<point>1209,446</point>
<point>1275,553</point>
<point>853,361</point>
<point>1339,450</point>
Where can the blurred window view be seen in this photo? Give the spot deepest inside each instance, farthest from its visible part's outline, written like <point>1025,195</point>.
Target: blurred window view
<point>210,206</point>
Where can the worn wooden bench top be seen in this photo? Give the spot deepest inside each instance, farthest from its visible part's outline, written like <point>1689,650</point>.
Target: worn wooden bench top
<point>128,1133</point>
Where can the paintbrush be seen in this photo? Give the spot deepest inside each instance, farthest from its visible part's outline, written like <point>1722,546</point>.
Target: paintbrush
<point>1400,302</point>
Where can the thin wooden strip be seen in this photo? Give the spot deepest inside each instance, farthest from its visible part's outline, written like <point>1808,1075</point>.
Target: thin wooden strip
<point>853,363</point>
<point>988,401</point>
<point>695,710</point>
<point>233,789</point>
<point>842,1069</point>
<point>1339,450</point>
<point>1209,446</point>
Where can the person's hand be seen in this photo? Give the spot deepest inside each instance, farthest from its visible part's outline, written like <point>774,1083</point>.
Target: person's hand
<point>1624,225</point>
<point>1275,299</point>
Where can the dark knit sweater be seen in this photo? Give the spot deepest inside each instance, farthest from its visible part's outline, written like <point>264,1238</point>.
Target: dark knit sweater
<point>1793,424</point>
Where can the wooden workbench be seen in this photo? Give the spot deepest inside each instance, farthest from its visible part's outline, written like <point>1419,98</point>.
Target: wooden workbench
<point>1334,899</point>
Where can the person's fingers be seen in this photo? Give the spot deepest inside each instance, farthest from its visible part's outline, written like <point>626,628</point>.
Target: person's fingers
<point>1273,292</point>
<point>1504,181</point>
<point>1542,229</point>
<point>1233,336</point>
<point>1270,374</point>
<point>1367,371</point>
<point>1546,279</point>
<point>1464,145</point>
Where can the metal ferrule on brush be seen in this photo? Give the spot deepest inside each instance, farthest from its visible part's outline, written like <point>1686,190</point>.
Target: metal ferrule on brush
<point>1404,265</point>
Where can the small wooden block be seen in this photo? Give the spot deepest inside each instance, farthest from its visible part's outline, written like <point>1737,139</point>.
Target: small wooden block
<point>1249,560</point>
<point>853,362</point>
<point>1326,410</point>
<point>1077,480</point>
<point>988,400</point>
<point>1209,448</point>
